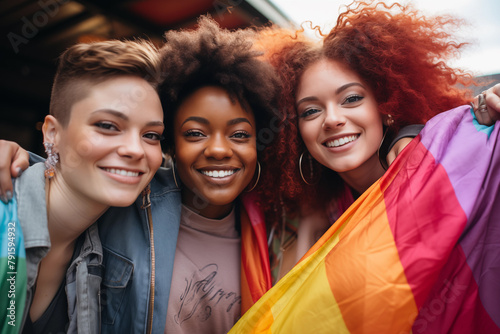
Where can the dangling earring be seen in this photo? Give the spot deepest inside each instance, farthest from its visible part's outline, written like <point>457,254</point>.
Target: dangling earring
<point>382,158</point>
<point>172,163</point>
<point>258,178</point>
<point>310,168</point>
<point>52,160</point>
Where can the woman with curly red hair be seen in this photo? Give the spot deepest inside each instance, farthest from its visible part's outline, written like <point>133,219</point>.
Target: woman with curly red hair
<point>400,56</point>
<point>419,248</point>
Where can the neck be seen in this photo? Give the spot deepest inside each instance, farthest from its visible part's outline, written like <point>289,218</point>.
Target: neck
<point>69,214</point>
<point>204,208</point>
<point>361,178</point>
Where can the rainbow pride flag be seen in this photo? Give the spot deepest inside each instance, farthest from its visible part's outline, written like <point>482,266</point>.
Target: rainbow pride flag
<point>418,252</point>
<point>255,266</point>
<point>12,269</point>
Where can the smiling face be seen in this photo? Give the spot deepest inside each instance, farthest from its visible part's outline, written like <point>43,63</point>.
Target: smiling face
<point>215,150</point>
<point>339,122</point>
<point>110,149</point>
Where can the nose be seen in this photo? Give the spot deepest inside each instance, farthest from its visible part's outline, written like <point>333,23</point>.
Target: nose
<point>218,147</point>
<point>131,146</point>
<point>333,118</point>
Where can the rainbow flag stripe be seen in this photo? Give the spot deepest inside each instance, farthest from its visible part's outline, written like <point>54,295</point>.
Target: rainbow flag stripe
<point>255,266</point>
<point>12,269</point>
<point>418,252</point>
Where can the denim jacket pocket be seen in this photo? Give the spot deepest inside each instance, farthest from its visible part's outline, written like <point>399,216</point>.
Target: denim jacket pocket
<point>117,273</point>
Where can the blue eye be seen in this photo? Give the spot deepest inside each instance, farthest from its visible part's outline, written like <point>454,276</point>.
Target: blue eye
<point>353,99</point>
<point>106,126</point>
<point>309,112</point>
<point>154,136</point>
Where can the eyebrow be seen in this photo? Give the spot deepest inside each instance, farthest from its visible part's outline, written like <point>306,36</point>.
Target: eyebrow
<point>196,119</point>
<point>125,117</point>
<point>112,112</point>
<point>155,123</point>
<point>239,120</point>
<point>205,121</point>
<point>344,87</point>
<point>337,91</point>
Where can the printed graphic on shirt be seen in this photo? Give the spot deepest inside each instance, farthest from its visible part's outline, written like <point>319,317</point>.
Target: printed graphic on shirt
<point>202,297</point>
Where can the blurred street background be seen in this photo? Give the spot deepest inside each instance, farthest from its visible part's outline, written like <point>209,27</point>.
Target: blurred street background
<point>34,33</point>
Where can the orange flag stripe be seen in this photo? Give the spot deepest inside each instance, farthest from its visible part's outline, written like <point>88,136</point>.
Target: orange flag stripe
<point>367,245</point>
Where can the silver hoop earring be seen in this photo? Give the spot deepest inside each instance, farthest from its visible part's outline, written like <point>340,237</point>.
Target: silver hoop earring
<point>383,145</point>
<point>300,169</point>
<point>381,159</point>
<point>258,178</point>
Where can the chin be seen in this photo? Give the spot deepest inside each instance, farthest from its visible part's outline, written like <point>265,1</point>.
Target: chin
<point>222,200</point>
<point>122,203</point>
<point>121,200</point>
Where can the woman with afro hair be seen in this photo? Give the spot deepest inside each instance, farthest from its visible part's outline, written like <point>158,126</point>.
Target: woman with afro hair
<point>218,97</point>
<point>399,248</point>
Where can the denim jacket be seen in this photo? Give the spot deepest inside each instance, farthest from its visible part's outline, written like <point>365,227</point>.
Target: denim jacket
<point>83,276</point>
<point>128,269</point>
<point>130,275</point>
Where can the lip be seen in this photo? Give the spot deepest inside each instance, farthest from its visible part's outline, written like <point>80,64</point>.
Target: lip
<point>122,174</point>
<point>340,142</point>
<point>213,174</point>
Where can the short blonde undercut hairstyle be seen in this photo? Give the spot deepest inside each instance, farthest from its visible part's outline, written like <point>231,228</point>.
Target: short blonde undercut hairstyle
<point>86,64</point>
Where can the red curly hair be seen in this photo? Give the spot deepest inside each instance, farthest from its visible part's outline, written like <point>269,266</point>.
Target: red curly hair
<point>290,52</point>
<point>402,56</point>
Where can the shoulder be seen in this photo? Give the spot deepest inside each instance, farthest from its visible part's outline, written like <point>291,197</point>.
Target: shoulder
<point>409,131</point>
<point>163,182</point>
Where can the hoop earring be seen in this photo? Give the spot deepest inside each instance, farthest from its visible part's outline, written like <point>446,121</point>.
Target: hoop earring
<point>172,162</point>
<point>258,178</point>
<point>383,145</point>
<point>52,160</point>
<point>300,169</point>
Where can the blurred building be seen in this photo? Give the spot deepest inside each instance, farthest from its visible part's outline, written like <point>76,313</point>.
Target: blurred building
<point>35,32</point>
<point>487,81</point>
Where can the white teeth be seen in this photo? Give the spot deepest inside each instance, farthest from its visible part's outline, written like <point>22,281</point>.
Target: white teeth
<point>218,173</point>
<point>121,172</point>
<point>341,141</point>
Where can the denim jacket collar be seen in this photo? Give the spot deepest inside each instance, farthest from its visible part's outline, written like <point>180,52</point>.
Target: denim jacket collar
<point>32,208</point>
<point>32,211</point>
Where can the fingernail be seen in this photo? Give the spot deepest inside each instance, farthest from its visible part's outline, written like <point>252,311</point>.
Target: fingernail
<point>8,195</point>
<point>19,171</point>
<point>3,199</point>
